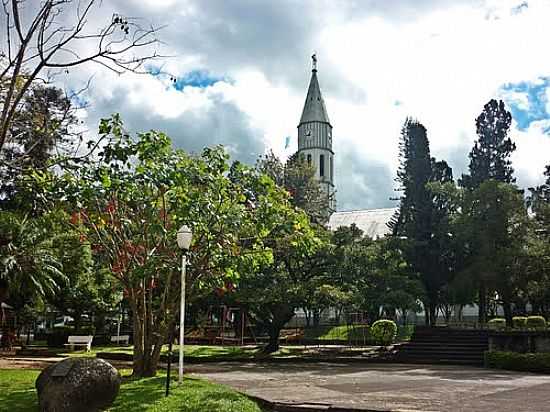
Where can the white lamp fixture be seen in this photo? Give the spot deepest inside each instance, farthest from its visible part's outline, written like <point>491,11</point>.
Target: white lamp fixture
<point>184,237</point>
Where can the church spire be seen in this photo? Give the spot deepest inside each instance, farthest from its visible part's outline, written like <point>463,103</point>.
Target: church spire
<point>314,107</point>
<point>315,138</point>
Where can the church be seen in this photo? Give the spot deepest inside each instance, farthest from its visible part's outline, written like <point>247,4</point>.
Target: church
<point>315,145</point>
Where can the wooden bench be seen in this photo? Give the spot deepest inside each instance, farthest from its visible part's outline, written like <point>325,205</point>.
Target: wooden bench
<point>125,339</point>
<point>73,341</point>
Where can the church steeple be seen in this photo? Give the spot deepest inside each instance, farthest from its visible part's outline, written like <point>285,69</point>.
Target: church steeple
<point>315,137</point>
<point>314,107</point>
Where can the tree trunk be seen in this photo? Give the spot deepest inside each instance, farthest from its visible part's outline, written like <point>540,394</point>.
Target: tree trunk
<point>273,344</point>
<point>507,306</point>
<point>482,304</point>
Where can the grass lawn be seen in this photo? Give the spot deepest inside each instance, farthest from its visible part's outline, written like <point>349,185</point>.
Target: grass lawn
<point>353,332</point>
<point>342,332</point>
<point>17,393</point>
<point>196,351</point>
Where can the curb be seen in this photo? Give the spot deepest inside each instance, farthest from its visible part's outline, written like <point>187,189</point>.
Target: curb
<point>306,406</point>
<point>195,360</point>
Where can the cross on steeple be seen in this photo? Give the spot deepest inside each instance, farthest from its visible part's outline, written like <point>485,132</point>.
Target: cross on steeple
<point>314,62</point>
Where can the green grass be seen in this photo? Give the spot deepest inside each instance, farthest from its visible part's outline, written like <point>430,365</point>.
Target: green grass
<point>342,332</point>
<point>353,332</point>
<point>17,393</point>
<point>196,351</point>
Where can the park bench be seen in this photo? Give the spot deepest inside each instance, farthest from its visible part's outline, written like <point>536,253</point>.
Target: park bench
<point>125,339</point>
<point>73,341</point>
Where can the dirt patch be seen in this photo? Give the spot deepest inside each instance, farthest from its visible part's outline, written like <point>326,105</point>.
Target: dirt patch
<point>17,362</point>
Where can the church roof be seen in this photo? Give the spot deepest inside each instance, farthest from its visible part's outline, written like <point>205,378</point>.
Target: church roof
<point>373,222</point>
<point>314,107</point>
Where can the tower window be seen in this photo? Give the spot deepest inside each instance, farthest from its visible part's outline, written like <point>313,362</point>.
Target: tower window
<point>331,169</point>
<point>322,165</point>
<point>309,160</point>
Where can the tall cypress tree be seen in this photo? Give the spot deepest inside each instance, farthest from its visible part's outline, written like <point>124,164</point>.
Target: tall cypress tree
<point>419,213</point>
<point>490,156</point>
<point>490,159</point>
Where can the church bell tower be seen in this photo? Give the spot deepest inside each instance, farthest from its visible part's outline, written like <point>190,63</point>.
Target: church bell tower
<point>315,138</point>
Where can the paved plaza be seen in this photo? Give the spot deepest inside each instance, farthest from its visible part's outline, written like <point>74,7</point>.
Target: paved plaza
<point>386,387</point>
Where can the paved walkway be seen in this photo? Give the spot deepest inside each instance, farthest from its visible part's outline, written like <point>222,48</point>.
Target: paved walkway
<point>386,387</point>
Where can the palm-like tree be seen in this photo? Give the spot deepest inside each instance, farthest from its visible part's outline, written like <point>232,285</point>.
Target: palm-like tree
<point>28,262</point>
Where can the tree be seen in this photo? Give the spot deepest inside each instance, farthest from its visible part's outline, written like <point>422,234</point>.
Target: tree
<point>490,159</point>
<point>128,202</point>
<point>28,262</point>
<point>44,38</point>
<point>538,286</point>
<point>494,224</point>
<point>422,215</point>
<point>43,126</point>
<point>490,156</point>
<point>298,178</point>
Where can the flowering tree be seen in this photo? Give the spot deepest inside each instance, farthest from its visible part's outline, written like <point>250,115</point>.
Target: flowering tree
<point>129,201</point>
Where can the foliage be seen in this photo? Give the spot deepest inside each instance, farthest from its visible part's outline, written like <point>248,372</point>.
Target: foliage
<point>519,322</point>
<point>528,362</point>
<point>423,216</point>
<point>535,322</point>
<point>45,122</point>
<point>28,261</point>
<point>490,160</point>
<point>490,156</point>
<point>129,201</point>
<point>298,178</point>
<point>384,331</point>
<point>493,225</point>
<point>497,323</point>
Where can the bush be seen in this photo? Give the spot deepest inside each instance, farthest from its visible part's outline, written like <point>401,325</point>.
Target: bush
<point>528,362</point>
<point>384,331</point>
<point>519,322</point>
<point>497,324</point>
<point>536,322</point>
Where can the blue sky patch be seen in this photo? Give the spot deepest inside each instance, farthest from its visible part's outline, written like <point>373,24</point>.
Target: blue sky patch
<point>527,101</point>
<point>194,78</point>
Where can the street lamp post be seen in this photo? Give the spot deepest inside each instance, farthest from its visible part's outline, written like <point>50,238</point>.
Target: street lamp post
<point>184,237</point>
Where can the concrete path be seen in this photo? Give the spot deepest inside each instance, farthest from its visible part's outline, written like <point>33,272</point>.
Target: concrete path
<point>386,387</point>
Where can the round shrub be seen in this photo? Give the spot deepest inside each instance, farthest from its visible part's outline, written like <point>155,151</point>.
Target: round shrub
<point>536,322</point>
<point>497,323</point>
<point>384,331</point>
<point>519,322</point>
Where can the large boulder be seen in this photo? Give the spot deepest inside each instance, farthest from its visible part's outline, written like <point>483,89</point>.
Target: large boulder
<point>77,384</point>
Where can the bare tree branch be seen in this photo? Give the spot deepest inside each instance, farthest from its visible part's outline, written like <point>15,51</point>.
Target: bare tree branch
<point>48,42</point>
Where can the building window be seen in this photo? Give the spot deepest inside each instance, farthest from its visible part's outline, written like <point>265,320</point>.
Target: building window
<point>322,165</point>
<point>309,160</point>
<point>331,169</point>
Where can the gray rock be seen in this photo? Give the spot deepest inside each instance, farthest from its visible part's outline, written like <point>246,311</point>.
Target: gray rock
<point>77,384</point>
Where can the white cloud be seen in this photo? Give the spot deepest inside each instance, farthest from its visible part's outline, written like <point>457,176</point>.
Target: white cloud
<point>442,61</point>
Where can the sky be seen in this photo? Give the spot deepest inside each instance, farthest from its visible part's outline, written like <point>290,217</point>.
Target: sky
<point>242,69</point>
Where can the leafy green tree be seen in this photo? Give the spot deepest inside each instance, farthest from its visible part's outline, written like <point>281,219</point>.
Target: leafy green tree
<point>494,224</point>
<point>538,286</point>
<point>298,178</point>
<point>128,203</point>
<point>490,159</point>
<point>44,125</point>
<point>28,260</point>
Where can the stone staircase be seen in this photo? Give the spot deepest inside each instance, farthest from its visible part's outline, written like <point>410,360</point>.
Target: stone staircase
<point>445,345</point>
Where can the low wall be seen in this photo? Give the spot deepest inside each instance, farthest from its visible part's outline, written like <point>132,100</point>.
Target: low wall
<point>520,341</point>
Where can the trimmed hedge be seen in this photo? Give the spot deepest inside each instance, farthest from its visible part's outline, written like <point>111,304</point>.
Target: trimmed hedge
<point>497,323</point>
<point>384,332</point>
<point>528,362</point>
<point>519,322</point>
<point>536,322</point>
